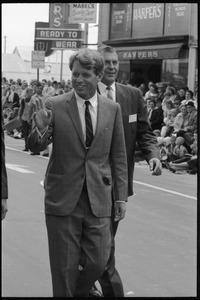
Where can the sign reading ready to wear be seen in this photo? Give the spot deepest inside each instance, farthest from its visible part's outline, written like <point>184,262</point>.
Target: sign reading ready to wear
<point>38,59</point>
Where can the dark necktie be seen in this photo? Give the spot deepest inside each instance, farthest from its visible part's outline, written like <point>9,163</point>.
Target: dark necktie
<point>109,93</point>
<point>88,124</point>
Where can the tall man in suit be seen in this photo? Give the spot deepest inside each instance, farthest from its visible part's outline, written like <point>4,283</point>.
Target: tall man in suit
<point>136,129</point>
<point>84,165</point>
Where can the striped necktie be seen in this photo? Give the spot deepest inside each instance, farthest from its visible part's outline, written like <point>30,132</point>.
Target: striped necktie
<point>109,93</point>
<point>88,124</point>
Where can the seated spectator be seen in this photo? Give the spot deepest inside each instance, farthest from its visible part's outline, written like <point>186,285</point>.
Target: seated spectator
<point>5,92</point>
<point>24,114</point>
<point>192,123</point>
<point>69,83</point>
<point>181,122</point>
<point>12,100</point>
<point>60,89</point>
<point>170,144</point>
<point>188,97</point>
<point>167,107</point>
<point>49,91</point>
<point>179,149</point>
<point>55,87</point>
<point>164,148</point>
<point>177,104</point>
<point>66,88</point>
<point>194,145</point>
<point>142,89</point>
<point>161,90</point>
<point>147,94</point>
<point>168,126</point>
<point>186,124</point>
<point>155,115</point>
<point>153,92</point>
<point>161,147</point>
<point>167,97</point>
<point>172,90</point>
<point>195,98</point>
<point>181,94</point>
<point>160,115</point>
<point>23,88</point>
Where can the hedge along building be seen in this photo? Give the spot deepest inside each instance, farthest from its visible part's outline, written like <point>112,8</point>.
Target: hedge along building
<point>155,41</point>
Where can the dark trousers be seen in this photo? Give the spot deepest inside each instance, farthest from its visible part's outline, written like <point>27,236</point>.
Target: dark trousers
<point>70,237</point>
<point>110,280</point>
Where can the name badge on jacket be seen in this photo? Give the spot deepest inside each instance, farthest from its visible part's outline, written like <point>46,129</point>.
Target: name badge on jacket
<point>133,118</point>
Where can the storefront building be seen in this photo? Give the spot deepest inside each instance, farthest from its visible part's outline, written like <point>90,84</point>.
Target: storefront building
<point>155,41</point>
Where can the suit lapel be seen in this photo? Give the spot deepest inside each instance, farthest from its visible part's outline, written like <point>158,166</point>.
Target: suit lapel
<point>120,95</point>
<point>74,115</point>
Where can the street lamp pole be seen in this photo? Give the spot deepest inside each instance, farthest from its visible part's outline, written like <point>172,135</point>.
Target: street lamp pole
<point>5,44</point>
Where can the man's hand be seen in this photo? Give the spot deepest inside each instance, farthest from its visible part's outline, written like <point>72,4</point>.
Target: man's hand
<point>155,166</point>
<point>120,209</point>
<point>42,117</point>
<point>4,208</point>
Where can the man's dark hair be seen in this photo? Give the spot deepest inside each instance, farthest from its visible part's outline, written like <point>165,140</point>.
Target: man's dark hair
<point>89,59</point>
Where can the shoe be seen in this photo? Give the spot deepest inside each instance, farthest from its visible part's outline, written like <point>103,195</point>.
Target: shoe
<point>16,135</point>
<point>45,154</point>
<point>169,167</point>
<point>94,292</point>
<point>25,149</point>
<point>35,153</point>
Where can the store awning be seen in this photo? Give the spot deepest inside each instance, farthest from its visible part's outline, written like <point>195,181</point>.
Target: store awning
<point>167,51</point>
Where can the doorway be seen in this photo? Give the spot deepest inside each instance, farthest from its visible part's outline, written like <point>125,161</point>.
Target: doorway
<point>145,71</point>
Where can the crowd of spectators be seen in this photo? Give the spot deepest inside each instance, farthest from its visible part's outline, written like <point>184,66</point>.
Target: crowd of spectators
<point>173,117</point>
<point>17,99</point>
<point>172,113</point>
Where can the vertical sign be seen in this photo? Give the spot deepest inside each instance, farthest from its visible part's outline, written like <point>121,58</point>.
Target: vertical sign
<point>58,15</point>
<point>121,20</point>
<point>82,13</point>
<point>177,18</point>
<point>148,19</point>
<point>38,59</point>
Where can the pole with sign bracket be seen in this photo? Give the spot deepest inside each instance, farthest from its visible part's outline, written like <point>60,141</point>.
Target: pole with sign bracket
<point>38,72</point>
<point>61,66</point>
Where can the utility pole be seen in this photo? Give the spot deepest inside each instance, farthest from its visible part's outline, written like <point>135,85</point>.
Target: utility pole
<point>5,44</point>
<point>61,66</point>
<point>86,35</point>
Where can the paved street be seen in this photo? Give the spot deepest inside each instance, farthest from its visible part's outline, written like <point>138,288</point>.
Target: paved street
<point>155,245</point>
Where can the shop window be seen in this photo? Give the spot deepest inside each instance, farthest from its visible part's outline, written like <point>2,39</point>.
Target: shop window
<point>175,71</point>
<point>124,72</point>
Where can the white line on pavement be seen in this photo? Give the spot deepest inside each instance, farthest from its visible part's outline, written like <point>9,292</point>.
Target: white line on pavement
<point>165,190</point>
<point>25,152</point>
<point>138,182</point>
<point>18,168</point>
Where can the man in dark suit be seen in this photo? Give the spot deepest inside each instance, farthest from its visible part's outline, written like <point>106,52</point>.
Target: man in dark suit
<point>88,157</point>
<point>136,129</point>
<point>4,179</point>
